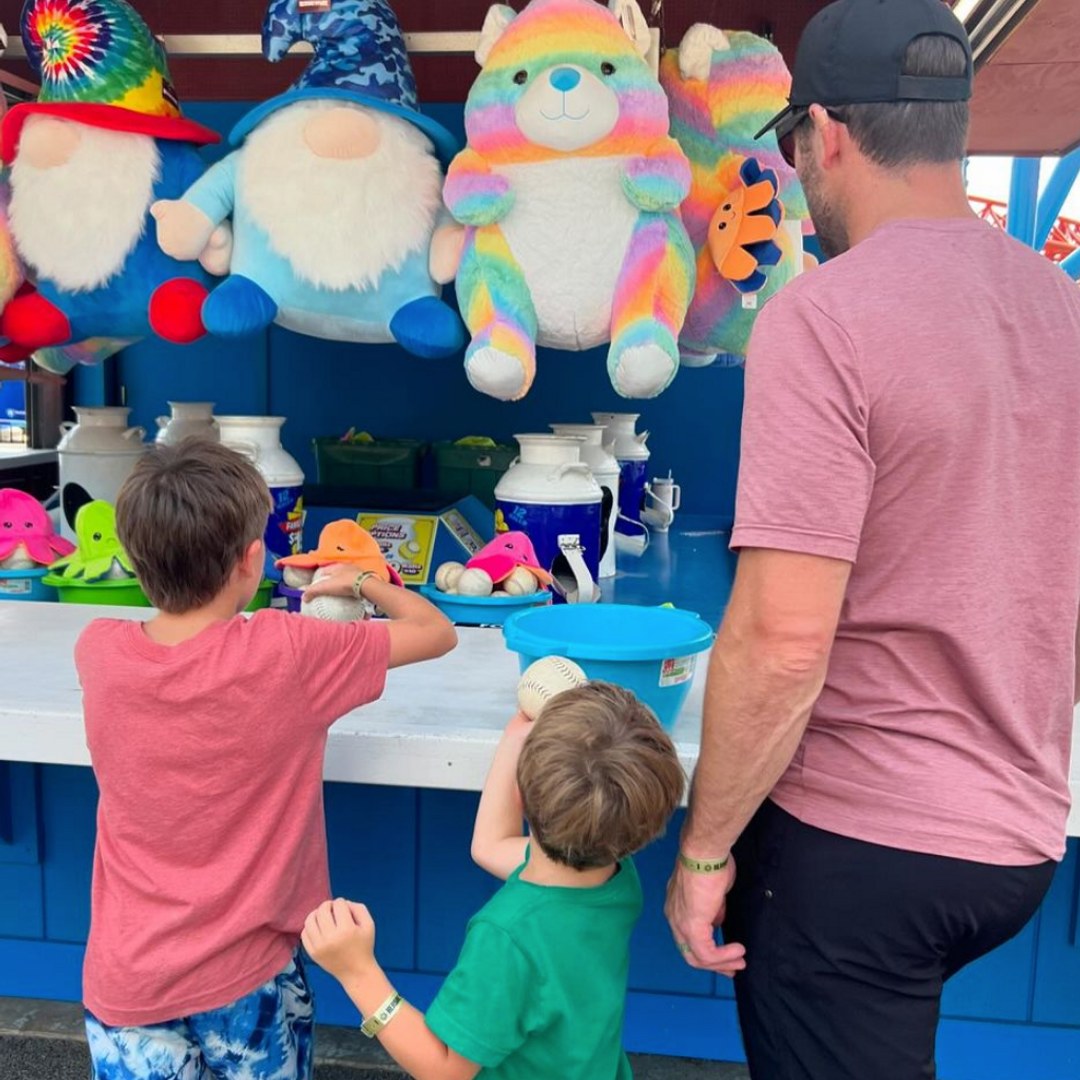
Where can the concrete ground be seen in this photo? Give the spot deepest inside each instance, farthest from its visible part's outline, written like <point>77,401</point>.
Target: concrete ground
<point>43,1040</point>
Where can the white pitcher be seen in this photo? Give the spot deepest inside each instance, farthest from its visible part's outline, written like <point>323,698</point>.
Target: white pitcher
<point>188,419</point>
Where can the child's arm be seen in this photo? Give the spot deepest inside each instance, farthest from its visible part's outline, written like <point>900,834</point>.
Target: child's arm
<point>418,629</point>
<point>340,936</point>
<point>498,843</point>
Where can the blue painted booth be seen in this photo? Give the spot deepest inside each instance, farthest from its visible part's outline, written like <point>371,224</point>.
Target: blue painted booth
<point>1014,1015</point>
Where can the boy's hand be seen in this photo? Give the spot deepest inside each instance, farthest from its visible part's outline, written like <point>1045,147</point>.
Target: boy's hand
<point>336,581</point>
<point>340,937</point>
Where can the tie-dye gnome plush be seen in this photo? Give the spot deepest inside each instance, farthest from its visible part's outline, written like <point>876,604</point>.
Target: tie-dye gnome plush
<point>746,208</point>
<point>103,141</point>
<point>335,192</point>
<point>570,188</point>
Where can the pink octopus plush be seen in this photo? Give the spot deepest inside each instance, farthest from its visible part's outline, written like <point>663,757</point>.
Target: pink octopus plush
<point>26,533</point>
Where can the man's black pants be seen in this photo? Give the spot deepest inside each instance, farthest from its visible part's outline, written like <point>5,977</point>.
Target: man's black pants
<point>848,945</point>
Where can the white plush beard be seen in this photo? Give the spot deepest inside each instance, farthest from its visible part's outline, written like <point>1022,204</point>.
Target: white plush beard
<point>76,224</point>
<point>341,223</point>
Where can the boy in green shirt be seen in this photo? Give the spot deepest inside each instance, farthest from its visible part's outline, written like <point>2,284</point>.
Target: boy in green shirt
<point>539,990</point>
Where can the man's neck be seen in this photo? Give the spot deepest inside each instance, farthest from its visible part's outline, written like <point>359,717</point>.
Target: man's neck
<point>924,192</point>
<point>542,870</point>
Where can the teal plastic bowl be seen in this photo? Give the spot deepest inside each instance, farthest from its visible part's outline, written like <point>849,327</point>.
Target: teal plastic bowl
<point>25,585</point>
<point>651,651</point>
<point>483,610</point>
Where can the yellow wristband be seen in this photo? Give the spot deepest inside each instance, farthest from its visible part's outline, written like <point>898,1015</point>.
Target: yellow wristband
<point>703,866</point>
<point>358,584</point>
<point>382,1015</point>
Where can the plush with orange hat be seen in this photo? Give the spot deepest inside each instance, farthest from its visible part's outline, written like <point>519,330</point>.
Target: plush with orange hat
<point>340,542</point>
<point>104,141</point>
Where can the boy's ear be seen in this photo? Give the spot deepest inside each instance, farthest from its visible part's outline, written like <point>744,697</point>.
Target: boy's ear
<point>253,557</point>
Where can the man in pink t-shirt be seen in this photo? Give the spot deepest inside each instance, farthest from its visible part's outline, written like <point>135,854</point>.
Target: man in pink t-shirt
<point>207,732</point>
<point>890,699</point>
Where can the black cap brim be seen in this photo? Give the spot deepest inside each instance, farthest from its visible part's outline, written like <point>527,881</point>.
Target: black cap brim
<point>781,123</point>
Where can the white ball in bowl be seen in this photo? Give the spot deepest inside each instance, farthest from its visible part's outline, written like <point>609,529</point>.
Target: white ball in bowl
<point>475,583</point>
<point>521,583</point>
<point>447,576</point>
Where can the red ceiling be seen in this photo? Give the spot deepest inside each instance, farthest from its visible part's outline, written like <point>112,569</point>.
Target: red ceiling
<point>1027,98</point>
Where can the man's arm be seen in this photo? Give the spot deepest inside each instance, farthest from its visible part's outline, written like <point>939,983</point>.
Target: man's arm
<point>767,668</point>
<point>1076,678</point>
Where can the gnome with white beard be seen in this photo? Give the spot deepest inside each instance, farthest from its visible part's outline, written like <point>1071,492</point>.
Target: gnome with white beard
<point>335,194</point>
<point>104,140</point>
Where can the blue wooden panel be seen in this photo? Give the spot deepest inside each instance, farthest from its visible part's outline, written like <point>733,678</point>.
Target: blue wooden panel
<point>332,1004</point>
<point>40,969</point>
<point>68,817</point>
<point>371,832</point>
<point>655,964</point>
<point>19,836</point>
<point>695,1027</point>
<point>1057,977</point>
<point>452,887</point>
<point>970,1050</point>
<point>999,986</point>
<point>20,901</point>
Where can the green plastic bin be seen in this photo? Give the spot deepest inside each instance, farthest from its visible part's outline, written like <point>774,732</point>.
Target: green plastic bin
<point>471,470</point>
<point>384,463</point>
<point>123,593</point>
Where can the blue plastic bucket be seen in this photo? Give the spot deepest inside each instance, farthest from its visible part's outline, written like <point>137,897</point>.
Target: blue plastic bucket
<point>25,585</point>
<point>483,610</point>
<point>651,651</point>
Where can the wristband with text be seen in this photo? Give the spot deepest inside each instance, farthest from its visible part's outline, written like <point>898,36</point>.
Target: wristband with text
<point>703,866</point>
<point>382,1015</point>
<point>358,584</point>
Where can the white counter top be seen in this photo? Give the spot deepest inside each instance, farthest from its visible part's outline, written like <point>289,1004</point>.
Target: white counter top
<point>436,726</point>
<point>16,455</point>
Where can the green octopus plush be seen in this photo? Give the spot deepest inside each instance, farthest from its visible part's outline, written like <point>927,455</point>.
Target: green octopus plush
<point>99,555</point>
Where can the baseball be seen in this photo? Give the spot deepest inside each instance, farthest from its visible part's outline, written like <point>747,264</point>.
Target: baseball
<point>520,583</point>
<point>475,583</point>
<point>546,679</point>
<point>446,577</point>
<point>297,577</point>
<point>334,608</point>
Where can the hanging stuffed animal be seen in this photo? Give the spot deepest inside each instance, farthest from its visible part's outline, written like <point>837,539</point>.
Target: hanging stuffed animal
<point>746,209</point>
<point>570,186</point>
<point>104,140</point>
<point>335,190</point>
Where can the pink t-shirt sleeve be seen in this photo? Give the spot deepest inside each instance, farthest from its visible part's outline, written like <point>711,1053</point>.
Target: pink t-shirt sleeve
<point>338,666</point>
<point>805,473</point>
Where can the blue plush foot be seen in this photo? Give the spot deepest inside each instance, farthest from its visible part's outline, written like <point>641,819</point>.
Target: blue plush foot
<point>429,328</point>
<point>238,307</point>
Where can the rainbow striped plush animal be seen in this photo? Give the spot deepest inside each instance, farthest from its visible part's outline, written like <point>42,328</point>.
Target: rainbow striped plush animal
<point>569,189</point>
<point>723,87</point>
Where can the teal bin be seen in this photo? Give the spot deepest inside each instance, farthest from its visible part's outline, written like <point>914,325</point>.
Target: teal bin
<point>651,651</point>
<point>482,610</point>
<point>25,585</point>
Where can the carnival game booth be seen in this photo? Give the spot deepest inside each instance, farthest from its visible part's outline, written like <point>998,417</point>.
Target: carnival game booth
<point>396,395</point>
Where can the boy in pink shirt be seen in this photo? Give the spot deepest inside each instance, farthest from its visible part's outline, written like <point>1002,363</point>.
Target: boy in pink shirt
<point>207,732</point>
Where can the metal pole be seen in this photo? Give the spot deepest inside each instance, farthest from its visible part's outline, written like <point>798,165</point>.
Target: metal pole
<point>1023,196</point>
<point>1054,195</point>
<point>1071,265</point>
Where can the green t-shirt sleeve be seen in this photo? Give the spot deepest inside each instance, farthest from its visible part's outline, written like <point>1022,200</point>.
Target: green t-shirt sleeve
<point>482,1010</point>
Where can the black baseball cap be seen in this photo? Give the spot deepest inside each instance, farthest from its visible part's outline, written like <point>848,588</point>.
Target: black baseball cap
<point>852,53</point>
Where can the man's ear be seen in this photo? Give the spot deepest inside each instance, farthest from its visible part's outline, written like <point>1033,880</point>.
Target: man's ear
<point>832,136</point>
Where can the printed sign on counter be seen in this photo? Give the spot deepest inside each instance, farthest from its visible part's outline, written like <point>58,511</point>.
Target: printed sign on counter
<point>407,542</point>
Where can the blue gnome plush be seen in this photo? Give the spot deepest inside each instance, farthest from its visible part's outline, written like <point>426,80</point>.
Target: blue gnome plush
<point>335,193</point>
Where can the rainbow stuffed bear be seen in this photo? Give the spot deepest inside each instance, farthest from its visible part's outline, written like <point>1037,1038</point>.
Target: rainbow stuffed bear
<point>723,88</point>
<point>570,188</point>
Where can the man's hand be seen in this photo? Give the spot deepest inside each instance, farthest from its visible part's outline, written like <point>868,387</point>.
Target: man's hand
<point>695,906</point>
<point>183,230</point>
<point>340,937</point>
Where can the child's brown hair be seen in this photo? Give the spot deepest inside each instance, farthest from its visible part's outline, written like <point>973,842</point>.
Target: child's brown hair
<point>599,777</point>
<point>186,515</point>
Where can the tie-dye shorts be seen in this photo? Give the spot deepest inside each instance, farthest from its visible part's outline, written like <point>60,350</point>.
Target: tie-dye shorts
<point>268,1035</point>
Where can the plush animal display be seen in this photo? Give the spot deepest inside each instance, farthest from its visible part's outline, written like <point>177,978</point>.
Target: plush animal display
<point>27,538</point>
<point>104,140</point>
<point>507,566</point>
<point>335,192</point>
<point>341,541</point>
<point>99,555</point>
<point>570,187</point>
<point>723,88</point>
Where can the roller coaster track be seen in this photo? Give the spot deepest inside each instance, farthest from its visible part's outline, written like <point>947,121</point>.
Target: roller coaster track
<point>1064,237</point>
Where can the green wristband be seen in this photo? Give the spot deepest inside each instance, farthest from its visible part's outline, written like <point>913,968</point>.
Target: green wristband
<point>703,866</point>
